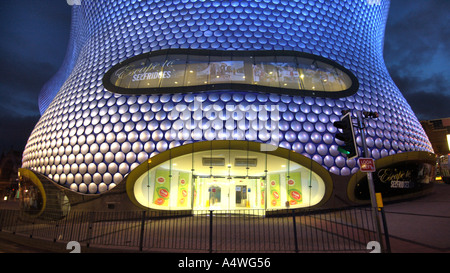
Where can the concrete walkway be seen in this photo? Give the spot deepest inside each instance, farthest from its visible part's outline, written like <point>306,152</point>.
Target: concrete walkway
<point>415,226</point>
<point>421,225</point>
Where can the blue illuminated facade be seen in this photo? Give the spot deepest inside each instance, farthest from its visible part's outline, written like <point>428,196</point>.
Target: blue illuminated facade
<point>89,139</point>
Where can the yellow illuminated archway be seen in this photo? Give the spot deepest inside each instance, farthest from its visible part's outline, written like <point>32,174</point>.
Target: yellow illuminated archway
<point>228,175</point>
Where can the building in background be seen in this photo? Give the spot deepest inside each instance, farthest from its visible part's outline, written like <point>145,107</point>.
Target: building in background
<point>10,162</point>
<point>199,105</point>
<point>438,131</point>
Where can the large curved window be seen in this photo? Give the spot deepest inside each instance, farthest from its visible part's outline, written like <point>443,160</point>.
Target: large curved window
<point>182,70</point>
<point>228,179</point>
<point>31,197</point>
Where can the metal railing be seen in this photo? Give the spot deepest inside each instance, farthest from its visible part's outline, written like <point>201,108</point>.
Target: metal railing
<point>345,230</point>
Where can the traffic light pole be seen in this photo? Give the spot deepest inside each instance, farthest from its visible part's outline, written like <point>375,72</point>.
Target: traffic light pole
<point>376,219</point>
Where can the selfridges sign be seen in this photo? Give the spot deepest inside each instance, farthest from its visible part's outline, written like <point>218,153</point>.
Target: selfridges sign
<point>151,71</point>
<point>405,177</point>
<point>397,179</point>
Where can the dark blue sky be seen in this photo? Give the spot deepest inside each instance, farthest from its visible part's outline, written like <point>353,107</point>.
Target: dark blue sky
<point>34,35</point>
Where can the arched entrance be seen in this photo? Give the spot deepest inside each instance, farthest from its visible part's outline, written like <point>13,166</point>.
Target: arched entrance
<point>227,176</point>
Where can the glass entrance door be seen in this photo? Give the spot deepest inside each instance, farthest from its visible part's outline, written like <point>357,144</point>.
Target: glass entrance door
<point>227,194</point>
<point>246,193</point>
<point>241,196</point>
<point>212,194</point>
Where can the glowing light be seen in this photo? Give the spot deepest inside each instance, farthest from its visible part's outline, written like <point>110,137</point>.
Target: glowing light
<point>448,141</point>
<point>305,119</point>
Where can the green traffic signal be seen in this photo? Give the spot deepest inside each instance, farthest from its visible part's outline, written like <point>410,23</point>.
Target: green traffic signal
<point>343,150</point>
<point>347,136</point>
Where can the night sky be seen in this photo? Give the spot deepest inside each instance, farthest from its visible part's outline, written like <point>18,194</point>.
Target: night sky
<point>34,36</point>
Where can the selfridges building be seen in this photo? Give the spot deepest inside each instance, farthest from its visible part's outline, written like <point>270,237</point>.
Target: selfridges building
<point>221,105</point>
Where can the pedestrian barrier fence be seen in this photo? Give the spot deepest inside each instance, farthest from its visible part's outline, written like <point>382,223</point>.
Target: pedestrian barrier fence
<point>343,230</point>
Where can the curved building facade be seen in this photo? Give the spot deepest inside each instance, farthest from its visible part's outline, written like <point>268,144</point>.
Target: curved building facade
<point>224,104</point>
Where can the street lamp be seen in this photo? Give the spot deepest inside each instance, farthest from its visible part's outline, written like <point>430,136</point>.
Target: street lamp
<point>350,149</point>
<point>362,126</point>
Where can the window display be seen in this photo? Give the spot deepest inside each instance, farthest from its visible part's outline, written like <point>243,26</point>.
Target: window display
<point>284,72</point>
<point>228,179</point>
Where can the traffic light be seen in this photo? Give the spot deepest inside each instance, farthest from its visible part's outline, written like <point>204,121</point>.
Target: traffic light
<point>347,136</point>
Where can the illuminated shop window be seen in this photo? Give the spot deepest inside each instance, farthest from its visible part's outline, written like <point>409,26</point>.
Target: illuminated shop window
<point>31,197</point>
<point>40,199</point>
<point>181,70</point>
<point>228,179</point>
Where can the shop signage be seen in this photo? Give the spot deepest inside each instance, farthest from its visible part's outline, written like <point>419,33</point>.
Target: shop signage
<point>162,188</point>
<point>401,184</point>
<point>294,188</point>
<point>274,190</point>
<point>366,164</point>
<point>145,71</point>
<point>183,189</point>
<point>398,179</point>
<point>395,177</point>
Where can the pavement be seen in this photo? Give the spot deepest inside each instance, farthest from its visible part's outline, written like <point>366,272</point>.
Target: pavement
<point>420,225</point>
